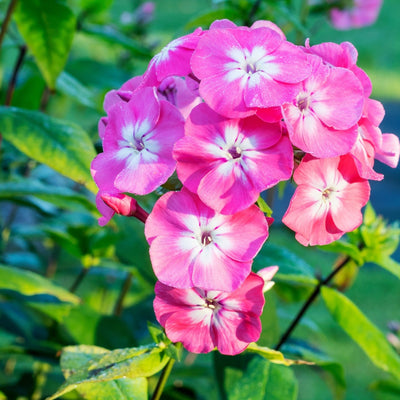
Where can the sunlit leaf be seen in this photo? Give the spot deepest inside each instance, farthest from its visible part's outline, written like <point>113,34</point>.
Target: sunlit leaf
<point>274,356</point>
<point>371,340</point>
<point>30,284</point>
<point>88,364</point>
<point>48,28</point>
<point>390,265</point>
<point>61,145</point>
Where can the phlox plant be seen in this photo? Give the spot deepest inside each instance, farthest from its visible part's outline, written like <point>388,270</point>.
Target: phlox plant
<point>233,111</point>
<point>172,220</point>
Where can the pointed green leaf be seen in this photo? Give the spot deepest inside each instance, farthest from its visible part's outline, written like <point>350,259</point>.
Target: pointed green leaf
<point>109,34</point>
<point>30,284</point>
<point>91,364</point>
<point>121,389</point>
<point>274,356</point>
<point>48,28</point>
<point>390,265</point>
<point>71,87</point>
<point>61,145</point>
<point>371,340</point>
<point>60,196</point>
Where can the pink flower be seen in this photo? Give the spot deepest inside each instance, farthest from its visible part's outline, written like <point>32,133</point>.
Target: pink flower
<point>193,246</point>
<point>205,319</point>
<point>362,13</point>
<point>342,55</point>
<point>323,118</point>
<point>246,68</point>
<point>138,144</point>
<point>228,162</point>
<point>328,200</point>
<point>173,59</point>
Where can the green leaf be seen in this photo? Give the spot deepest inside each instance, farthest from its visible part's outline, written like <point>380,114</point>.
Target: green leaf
<point>274,356</point>
<point>390,265</point>
<point>61,145</point>
<point>71,87</point>
<point>88,364</point>
<point>333,371</point>
<point>30,284</point>
<point>388,387</point>
<point>349,249</point>
<point>264,207</point>
<point>205,19</point>
<point>48,28</point>
<point>109,34</point>
<point>121,389</point>
<point>60,196</point>
<point>371,340</point>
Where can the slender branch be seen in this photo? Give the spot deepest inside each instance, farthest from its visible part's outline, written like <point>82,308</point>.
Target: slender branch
<point>163,380</point>
<point>7,20</point>
<point>45,99</point>
<point>252,12</point>
<point>309,301</point>
<point>13,80</point>
<point>119,305</point>
<point>84,271</point>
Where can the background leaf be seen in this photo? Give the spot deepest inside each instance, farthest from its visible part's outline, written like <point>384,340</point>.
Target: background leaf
<point>48,28</point>
<point>61,145</point>
<point>371,340</point>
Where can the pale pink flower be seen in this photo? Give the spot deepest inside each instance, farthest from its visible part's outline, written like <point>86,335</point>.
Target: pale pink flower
<point>193,246</point>
<point>328,200</point>
<point>244,68</point>
<point>372,144</point>
<point>138,144</point>
<point>322,120</point>
<point>362,13</point>
<point>228,162</point>
<point>341,55</point>
<point>206,319</point>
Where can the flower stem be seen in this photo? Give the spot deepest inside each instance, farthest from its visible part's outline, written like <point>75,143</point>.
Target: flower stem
<point>163,379</point>
<point>119,305</point>
<point>309,301</point>
<point>13,80</point>
<point>7,20</point>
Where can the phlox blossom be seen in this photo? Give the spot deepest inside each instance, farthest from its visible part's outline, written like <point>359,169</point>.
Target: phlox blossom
<point>205,319</point>
<point>322,120</point>
<point>193,246</point>
<point>361,13</point>
<point>328,200</point>
<point>228,162</point>
<point>241,69</point>
<point>137,144</point>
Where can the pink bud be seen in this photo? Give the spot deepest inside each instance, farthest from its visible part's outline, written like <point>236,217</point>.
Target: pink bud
<point>267,274</point>
<point>124,205</point>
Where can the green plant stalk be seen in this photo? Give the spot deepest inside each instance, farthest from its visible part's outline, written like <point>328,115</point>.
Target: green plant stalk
<point>304,11</point>
<point>13,80</point>
<point>309,301</point>
<point>7,19</point>
<point>163,380</point>
<point>119,305</point>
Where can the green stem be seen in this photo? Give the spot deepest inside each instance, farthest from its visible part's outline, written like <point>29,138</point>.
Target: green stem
<point>13,80</point>
<point>119,305</point>
<point>304,11</point>
<point>163,380</point>
<point>309,301</point>
<point>7,19</point>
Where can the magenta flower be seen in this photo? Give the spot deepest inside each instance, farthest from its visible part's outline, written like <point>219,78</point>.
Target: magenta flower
<point>173,59</point>
<point>328,200</point>
<point>323,118</point>
<point>193,246</point>
<point>138,144</point>
<point>228,162</point>
<point>361,13</point>
<point>205,319</point>
<point>246,68</point>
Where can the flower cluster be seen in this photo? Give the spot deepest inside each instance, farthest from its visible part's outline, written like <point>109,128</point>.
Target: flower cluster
<point>235,110</point>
